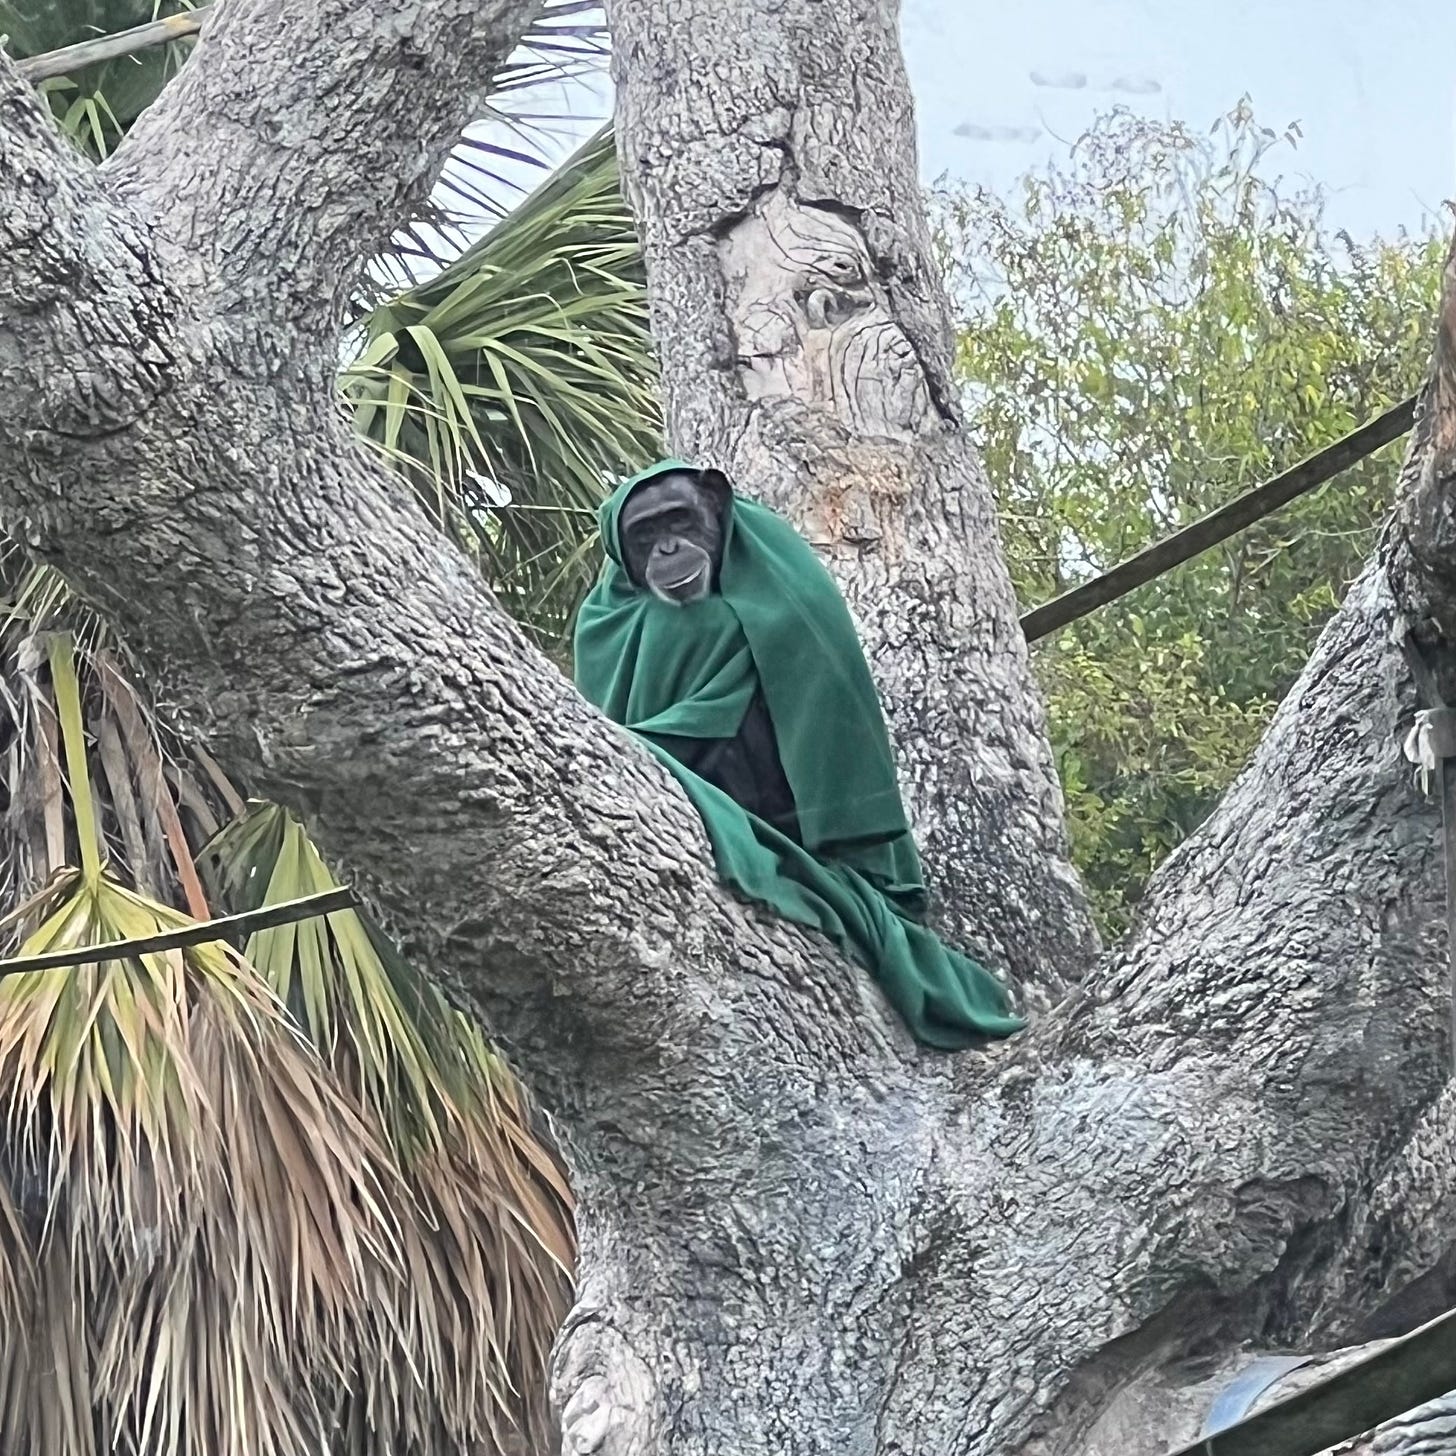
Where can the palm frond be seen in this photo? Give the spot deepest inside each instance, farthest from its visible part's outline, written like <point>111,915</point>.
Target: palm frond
<point>493,1268</point>
<point>516,385</point>
<point>510,148</point>
<point>150,804</point>
<point>198,1199</point>
<point>445,1340</point>
<point>189,1194</point>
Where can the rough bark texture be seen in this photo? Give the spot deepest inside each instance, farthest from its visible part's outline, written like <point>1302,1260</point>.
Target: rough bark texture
<point>798,1233</point>
<point>769,152</point>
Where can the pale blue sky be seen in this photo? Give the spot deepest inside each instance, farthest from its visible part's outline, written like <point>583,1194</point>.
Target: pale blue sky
<point>1373,86</point>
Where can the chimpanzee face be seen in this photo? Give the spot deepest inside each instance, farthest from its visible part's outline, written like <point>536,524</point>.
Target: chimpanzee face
<point>671,530</point>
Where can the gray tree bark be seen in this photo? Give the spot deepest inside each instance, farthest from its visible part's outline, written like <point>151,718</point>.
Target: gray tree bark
<point>769,153</point>
<point>799,1232</point>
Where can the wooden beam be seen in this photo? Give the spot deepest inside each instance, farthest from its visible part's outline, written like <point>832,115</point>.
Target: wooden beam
<point>285,913</point>
<point>73,58</point>
<point>1219,525</point>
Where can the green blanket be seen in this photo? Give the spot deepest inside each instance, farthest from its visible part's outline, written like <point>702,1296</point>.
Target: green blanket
<point>780,625</point>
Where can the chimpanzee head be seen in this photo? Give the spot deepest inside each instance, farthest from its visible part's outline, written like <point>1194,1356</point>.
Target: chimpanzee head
<point>671,533</point>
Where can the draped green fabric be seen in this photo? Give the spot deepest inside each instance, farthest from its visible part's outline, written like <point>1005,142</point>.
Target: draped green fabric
<point>778,624</point>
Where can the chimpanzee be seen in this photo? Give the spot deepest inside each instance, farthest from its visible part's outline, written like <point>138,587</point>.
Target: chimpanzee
<point>716,635</point>
<point>672,530</point>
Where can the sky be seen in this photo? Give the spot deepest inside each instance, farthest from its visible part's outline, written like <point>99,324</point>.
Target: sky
<point>1002,88</point>
<point>1372,85</point>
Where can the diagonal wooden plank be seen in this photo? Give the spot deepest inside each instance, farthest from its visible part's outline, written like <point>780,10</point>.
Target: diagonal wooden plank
<point>1404,1374</point>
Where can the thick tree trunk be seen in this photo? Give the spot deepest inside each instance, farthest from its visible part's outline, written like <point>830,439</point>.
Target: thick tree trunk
<point>769,152</point>
<point>799,1233</point>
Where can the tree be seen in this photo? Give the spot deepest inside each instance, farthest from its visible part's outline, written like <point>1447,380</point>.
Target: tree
<point>455,1263</point>
<point>798,1233</point>
<point>1146,331</point>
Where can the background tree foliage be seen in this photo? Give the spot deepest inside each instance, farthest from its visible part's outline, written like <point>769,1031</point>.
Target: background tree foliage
<point>1147,331</point>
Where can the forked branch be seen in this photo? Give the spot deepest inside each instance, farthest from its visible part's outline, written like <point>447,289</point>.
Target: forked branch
<point>339,656</point>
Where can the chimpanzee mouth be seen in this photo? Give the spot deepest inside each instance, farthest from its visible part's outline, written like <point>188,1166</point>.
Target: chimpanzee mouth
<point>694,581</point>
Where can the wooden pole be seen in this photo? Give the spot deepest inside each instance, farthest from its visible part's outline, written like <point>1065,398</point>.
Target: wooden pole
<point>306,908</point>
<point>1219,525</point>
<point>70,59</point>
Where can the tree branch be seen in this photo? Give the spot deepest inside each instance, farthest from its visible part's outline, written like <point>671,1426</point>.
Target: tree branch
<point>297,611</point>
<point>1271,1042</point>
<point>71,261</point>
<point>1423,545</point>
<point>304,182</point>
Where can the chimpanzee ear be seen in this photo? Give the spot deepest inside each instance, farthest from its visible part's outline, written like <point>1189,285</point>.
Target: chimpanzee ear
<point>716,484</point>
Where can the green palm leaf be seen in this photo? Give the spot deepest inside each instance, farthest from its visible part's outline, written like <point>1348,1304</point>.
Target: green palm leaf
<point>189,1194</point>
<point>195,1198</point>
<point>118,1079</point>
<point>517,384</point>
